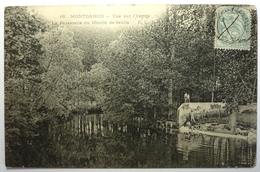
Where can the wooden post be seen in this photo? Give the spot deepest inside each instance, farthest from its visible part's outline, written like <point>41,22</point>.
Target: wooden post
<point>212,96</point>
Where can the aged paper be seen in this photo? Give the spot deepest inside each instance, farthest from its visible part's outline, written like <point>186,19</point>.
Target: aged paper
<point>130,86</point>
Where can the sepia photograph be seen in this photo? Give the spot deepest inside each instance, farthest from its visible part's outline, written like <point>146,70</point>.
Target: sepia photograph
<point>130,86</point>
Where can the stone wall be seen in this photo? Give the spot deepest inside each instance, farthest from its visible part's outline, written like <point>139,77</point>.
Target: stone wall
<point>199,110</point>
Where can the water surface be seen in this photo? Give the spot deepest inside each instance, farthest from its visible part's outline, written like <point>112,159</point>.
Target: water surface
<point>105,145</point>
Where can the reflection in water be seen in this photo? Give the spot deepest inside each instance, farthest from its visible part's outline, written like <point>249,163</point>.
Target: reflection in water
<point>216,150</point>
<point>221,152</point>
<point>134,145</point>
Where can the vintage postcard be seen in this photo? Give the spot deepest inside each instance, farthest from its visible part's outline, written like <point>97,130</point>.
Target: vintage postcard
<point>130,86</point>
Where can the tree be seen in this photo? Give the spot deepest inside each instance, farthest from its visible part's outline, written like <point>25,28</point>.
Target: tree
<point>22,75</point>
<point>180,34</point>
<point>41,70</point>
<point>92,41</point>
<point>132,86</point>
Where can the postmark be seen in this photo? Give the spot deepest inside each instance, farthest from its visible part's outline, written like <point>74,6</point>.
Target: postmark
<point>232,28</point>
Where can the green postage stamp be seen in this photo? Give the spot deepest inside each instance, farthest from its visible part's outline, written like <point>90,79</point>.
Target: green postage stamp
<point>233,28</point>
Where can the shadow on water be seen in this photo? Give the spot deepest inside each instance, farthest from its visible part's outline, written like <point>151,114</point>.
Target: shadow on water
<point>90,142</point>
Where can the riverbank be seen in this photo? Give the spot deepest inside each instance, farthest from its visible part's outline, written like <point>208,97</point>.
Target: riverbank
<point>246,127</point>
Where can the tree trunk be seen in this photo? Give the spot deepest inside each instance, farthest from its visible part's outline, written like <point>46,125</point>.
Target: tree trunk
<point>212,96</point>
<point>170,55</point>
<point>154,113</point>
<point>253,92</point>
<point>233,115</point>
<point>170,99</point>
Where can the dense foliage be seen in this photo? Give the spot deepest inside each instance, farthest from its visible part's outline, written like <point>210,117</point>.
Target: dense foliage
<point>54,72</point>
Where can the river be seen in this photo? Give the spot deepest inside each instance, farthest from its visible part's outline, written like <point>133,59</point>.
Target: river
<point>101,144</point>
